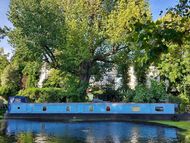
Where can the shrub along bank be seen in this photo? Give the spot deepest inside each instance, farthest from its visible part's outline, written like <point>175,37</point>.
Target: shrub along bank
<point>41,95</point>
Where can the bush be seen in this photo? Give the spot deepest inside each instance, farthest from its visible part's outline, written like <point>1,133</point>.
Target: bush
<point>174,99</point>
<point>155,94</point>
<point>10,77</point>
<point>31,74</point>
<point>6,91</point>
<point>40,95</point>
<point>141,94</point>
<point>109,94</point>
<point>184,102</point>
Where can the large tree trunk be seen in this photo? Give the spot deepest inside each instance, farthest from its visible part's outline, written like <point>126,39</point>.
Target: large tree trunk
<point>84,75</point>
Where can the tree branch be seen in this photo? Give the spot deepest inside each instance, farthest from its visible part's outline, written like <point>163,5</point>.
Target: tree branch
<point>115,50</point>
<point>50,54</point>
<point>3,32</point>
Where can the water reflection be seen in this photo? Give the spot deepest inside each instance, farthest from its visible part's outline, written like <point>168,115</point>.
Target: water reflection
<point>23,131</point>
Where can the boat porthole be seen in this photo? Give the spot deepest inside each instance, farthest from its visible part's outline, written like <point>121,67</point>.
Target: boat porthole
<point>44,108</point>
<point>91,109</point>
<point>18,107</point>
<point>159,109</point>
<point>108,108</point>
<point>68,109</point>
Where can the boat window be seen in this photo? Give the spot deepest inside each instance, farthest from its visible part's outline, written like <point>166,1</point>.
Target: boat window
<point>44,108</point>
<point>159,109</point>
<point>18,107</point>
<point>17,100</point>
<point>108,108</point>
<point>68,108</point>
<point>91,109</point>
<point>136,109</point>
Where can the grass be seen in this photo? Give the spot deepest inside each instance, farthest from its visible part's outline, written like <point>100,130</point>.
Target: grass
<point>184,127</point>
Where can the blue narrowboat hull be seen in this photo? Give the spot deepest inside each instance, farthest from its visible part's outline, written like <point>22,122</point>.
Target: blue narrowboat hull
<point>93,117</point>
<point>92,111</point>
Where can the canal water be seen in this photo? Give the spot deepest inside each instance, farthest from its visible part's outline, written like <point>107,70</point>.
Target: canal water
<point>22,131</point>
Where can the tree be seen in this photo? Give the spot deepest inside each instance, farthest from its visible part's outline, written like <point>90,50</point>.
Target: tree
<point>149,39</point>
<point>174,65</point>
<point>57,78</point>
<point>36,34</point>
<point>30,74</point>
<point>3,32</point>
<point>39,26</point>
<point>10,81</point>
<point>3,61</point>
<point>75,35</point>
<point>10,76</point>
<point>126,22</point>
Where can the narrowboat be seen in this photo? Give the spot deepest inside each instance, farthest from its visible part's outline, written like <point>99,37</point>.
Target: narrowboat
<point>20,108</point>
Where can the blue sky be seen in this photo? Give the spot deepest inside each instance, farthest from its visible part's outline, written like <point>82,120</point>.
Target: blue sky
<point>156,7</point>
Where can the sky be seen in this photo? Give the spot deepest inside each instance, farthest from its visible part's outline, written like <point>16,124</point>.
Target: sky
<point>155,5</point>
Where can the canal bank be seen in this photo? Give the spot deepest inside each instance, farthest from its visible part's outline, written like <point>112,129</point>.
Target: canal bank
<point>183,126</point>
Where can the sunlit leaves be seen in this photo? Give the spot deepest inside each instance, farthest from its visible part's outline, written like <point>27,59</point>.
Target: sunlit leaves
<point>39,23</point>
<point>3,61</point>
<point>122,20</point>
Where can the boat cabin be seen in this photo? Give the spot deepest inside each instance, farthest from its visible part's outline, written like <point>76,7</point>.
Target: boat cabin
<point>17,99</point>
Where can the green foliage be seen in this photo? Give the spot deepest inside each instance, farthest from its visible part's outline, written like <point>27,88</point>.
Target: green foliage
<point>184,102</point>
<point>155,94</point>
<point>80,38</point>
<point>3,61</point>
<point>174,99</point>
<point>141,94</point>
<point>6,91</point>
<point>3,32</point>
<point>40,95</point>
<point>10,81</point>
<point>123,18</point>
<point>25,137</point>
<point>65,81</point>
<point>39,26</point>
<point>10,76</point>
<point>31,73</point>
<point>57,78</point>
<point>149,40</point>
<point>110,95</point>
<point>175,65</point>
<point>95,90</point>
<point>128,95</point>
<point>59,87</point>
<point>79,35</point>
<point>106,93</point>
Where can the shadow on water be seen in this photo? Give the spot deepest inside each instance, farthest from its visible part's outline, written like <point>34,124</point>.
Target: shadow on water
<point>23,131</point>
